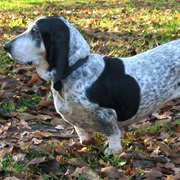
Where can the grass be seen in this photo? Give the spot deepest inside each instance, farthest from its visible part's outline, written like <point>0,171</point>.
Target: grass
<point>115,28</point>
<point>9,165</point>
<point>29,102</point>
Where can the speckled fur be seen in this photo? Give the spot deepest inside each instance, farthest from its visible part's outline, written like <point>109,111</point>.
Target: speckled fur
<point>156,71</point>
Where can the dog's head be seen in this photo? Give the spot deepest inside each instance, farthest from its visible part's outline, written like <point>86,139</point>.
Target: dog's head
<point>52,45</point>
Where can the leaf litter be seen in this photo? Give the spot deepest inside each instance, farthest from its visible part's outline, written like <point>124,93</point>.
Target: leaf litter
<point>36,142</point>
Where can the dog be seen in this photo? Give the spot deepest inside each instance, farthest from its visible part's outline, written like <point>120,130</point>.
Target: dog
<point>97,93</point>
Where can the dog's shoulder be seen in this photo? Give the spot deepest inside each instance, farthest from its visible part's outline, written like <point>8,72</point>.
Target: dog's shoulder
<point>112,88</point>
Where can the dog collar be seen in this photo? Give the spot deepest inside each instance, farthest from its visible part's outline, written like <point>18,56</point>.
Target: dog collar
<point>75,66</point>
<point>58,85</point>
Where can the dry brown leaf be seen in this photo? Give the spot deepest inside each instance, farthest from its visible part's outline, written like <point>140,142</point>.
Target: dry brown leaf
<point>176,128</point>
<point>176,108</point>
<point>86,172</point>
<point>38,135</point>
<point>61,159</point>
<point>24,124</point>
<point>33,79</point>
<point>176,160</point>
<point>165,148</point>
<point>2,92</point>
<point>5,127</point>
<point>36,141</point>
<point>9,83</point>
<point>130,172</point>
<point>46,134</point>
<point>84,150</point>
<point>50,166</point>
<point>171,177</point>
<point>36,161</point>
<point>60,127</point>
<point>153,174</point>
<point>163,136</point>
<point>26,116</point>
<point>125,156</point>
<point>19,157</point>
<point>110,172</point>
<point>59,121</point>
<point>46,103</point>
<point>164,115</point>
<point>12,178</point>
<point>156,151</point>
<point>168,168</point>
<point>5,151</point>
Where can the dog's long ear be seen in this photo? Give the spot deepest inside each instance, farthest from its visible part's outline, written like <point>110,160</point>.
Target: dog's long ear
<point>56,34</point>
<point>59,56</point>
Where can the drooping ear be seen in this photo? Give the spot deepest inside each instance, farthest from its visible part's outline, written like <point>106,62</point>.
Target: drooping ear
<point>59,56</point>
<point>55,34</point>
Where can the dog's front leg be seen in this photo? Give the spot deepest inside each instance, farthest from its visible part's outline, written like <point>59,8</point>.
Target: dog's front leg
<point>60,104</point>
<point>108,125</point>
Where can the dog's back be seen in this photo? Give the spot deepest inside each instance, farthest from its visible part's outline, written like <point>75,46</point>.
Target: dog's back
<point>157,72</point>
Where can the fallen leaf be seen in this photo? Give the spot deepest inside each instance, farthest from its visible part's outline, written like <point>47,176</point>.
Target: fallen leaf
<point>60,127</point>
<point>163,136</point>
<point>153,174</point>
<point>165,148</point>
<point>2,92</point>
<point>84,150</point>
<point>19,157</point>
<point>171,177</point>
<point>50,166</point>
<point>176,128</point>
<point>36,141</point>
<point>86,173</point>
<point>130,172</point>
<point>33,79</point>
<point>12,178</point>
<point>143,164</point>
<point>26,116</point>
<point>5,127</point>
<point>77,162</point>
<point>46,103</point>
<point>9,83</point>
<point>176,160</point>
<point>164,170</point>
<point>161,158</point>
<point>110,172</point>
<point>46,134</point>
<point>38,135</point>
<point>62,159</point>
<point>36,161</point>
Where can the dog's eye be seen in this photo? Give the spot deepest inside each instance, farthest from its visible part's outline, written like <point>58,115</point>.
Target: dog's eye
<point>34,30</point>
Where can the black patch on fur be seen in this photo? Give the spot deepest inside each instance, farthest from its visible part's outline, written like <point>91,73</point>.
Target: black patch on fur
<point>55,34</point>
<point>115,89</point>
<point>36,35</point>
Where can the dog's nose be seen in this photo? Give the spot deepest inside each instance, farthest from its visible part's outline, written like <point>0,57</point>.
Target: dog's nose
<point>7,47</point>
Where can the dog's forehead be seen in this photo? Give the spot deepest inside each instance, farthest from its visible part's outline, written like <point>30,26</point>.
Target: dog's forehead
<point>32,25</point>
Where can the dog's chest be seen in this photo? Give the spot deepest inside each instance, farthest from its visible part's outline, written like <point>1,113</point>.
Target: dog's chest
<point>82,118</point>
<point>74,113</point>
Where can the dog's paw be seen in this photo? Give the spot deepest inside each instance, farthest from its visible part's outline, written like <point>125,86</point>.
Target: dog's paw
<point>110,151</point>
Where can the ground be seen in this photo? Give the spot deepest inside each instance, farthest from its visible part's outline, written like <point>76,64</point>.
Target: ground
<point>37,144</point>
